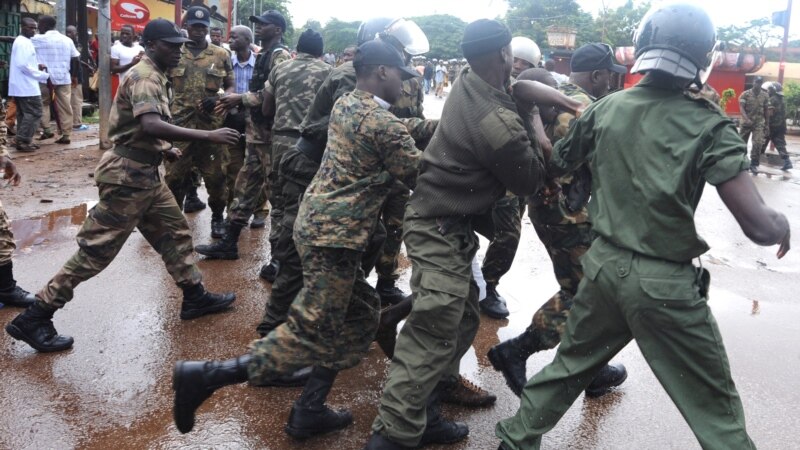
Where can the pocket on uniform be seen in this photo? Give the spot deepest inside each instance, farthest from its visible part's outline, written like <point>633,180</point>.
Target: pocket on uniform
<point>674,303</point>
<point>443,282</point>
<point>177,75</point>
<point>591,266</point>
<point>214,79</point>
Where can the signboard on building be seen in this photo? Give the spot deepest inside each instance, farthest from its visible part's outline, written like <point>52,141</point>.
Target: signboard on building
<point>139,12</point>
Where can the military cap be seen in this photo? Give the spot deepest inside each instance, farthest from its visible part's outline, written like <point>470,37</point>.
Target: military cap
<point>380,53</point>
<point>594,57</point>
<point>198,15</point>
<point>270,17</point>
<point>162,30</point>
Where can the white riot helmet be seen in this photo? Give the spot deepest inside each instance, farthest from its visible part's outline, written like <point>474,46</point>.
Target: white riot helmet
<point>526,50</point>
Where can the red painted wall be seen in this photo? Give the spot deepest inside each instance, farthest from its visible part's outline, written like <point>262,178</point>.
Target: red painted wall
<point>719,80</point>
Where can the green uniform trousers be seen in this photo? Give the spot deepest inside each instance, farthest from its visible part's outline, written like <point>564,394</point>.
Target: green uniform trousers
<point>440,329</point>
<point>281,143</point>
<point>206,157</point>
<point>759,133</point>
<point>661,304</point>
<point>122,209</point>
<point>7,244</point>
<point>251,186</point>
<point>507,224</point>
<point>331,323</point>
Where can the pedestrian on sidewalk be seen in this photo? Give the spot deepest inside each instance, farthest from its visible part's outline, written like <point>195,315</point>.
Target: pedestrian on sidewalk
<point>25,75</point>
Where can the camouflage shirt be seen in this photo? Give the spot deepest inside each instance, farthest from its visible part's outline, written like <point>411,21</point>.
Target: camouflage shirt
<point>410,102</point>
<point>145,89</point>
<point>755,103</point>
<point>368,148</point>
<point>3,131</point>
<point>777,111</point>
<point>315,124</point>
<point>294,86</point>
<point>195,78</point>
<point>558,213</point>
<point>258,133</point>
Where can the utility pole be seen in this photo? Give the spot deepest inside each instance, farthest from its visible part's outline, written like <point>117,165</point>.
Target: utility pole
<point>786,20</point>
<point>61,16</point>
<point>104,66</point>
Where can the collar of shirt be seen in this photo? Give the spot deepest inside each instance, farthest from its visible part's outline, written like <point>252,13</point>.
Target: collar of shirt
<point>383,103</point>
<point>250,62</point>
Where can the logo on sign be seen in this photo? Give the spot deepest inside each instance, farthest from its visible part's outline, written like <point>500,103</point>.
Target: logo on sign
<point>132,11</point>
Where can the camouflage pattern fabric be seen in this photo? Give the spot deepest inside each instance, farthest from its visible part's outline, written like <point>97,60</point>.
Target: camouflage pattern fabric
<point>232,162</point>
<point>777,126</point>
<point>7,244</point>
<point>507,224</point>
<point>755,105</point>
<point>250,182</point>
<point>144,90</point>
<point>339,82</point>
<point>122,209</point>
<point>565,244</point>
<point>368,148</point>
<point>295,173</point>
<point>280,145</point>
<point>195,78</point>
<point>206,157</point>
<point>331,323</point>
<point>3,131</point>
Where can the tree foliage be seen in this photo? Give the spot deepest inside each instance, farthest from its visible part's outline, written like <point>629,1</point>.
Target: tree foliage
<point>755,35</point>
<point>532,17</point>
<point>339,35</point>
<point>245,9</point>
<point>444,33</point>
<point>791,97</point>
<point>616,26</point>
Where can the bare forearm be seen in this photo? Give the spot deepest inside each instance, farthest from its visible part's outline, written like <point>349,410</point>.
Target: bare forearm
<point>541,94</point>
<point>163,130</point>
<point>760,223</point>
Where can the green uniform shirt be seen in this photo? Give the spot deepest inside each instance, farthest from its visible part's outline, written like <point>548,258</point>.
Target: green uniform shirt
<point>294,85</point>
<point>368,148</point>
<point>195,78</point>
<point>755,103</point>
<point>777,115</point>
<point>650,151</point>
<point>145,89</point>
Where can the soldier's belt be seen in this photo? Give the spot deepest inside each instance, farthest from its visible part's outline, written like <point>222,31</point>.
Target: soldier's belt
<point>141,156</point>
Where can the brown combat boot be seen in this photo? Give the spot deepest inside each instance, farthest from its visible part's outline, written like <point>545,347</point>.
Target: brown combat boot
<point>466,393</point>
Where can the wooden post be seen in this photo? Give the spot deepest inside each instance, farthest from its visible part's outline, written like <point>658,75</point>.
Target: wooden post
<point>787,18</point>
<point>104,66</point>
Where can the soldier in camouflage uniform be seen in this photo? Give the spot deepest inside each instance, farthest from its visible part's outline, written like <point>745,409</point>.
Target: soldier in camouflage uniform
<point>753,105</point>
<point>334,318</point>
<point>288,94</point>
<point>777,124</point>
<point>133,196</point>
<point>252,177</point>
<point>562,223</point>
<point>203,71</point>
<point>10,293</point>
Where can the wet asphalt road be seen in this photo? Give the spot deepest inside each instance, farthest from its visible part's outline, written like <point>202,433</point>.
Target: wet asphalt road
<point>113,389</point>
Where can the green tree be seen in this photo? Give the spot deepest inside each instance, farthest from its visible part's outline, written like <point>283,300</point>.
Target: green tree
<point>754,36</point>
<point>616,26</point>
<point>532,17</point>
<point>791,97</point>
<point>313,24</point>
<point>339,35</point>
<point>245,8</point>
<point>444,34</point>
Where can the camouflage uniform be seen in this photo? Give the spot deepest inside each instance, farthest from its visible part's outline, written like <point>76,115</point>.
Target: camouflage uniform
<point>195,78</point>
<point>7,245</point>
<point>407,106</point>
<point>777,126</point>
<point>335,316</point>
<point>251,182</point>
<point>132,194</point>
<point>293,85</point>
<point>507,229</point>
<point>755,106</point>
<point>566,233</point>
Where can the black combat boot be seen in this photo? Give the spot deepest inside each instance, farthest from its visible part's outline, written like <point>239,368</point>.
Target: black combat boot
<point>381,442</point>
<point>34,326</point>
<point>217,225</point>
<point>10,293</point>
<point>386,336</point>
<point>388,292</point>
<point>269,271</point>
<point>438,430</point>
<point>610,376</point>
<point>310,415</point>
<point>509,358</point>
<point>192,203</point>
<point>197,301</point>
<point>227,248</point>
<point>787,164</point>
<point>195,381</point>
<point>493,305</point>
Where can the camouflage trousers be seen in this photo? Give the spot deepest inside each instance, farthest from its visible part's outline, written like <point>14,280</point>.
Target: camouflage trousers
<point>232,162</point>
<point>153,212</point>
<point>331,324</point>
<point>7,245</point>
<point>565,244</point>
<point>392,218</point>
<point>507,224</point>
<point>759,133</point>
<point>281,144</point>
<point>251,186</point>
<point>295,173</point>
<point>206,157</point>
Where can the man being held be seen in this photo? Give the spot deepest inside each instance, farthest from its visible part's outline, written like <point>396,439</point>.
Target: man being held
<point>132,196</point>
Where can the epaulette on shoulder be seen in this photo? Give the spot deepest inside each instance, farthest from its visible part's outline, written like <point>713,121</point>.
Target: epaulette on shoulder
<point>697,97</point>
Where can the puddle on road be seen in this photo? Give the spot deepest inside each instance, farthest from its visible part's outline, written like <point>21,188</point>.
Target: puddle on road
<point>53,227</point>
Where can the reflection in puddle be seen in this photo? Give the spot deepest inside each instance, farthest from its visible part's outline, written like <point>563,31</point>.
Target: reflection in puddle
<point>57,226</point>
<point>756,310</point>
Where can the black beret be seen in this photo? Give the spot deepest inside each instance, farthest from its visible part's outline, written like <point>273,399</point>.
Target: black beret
<point>310,42</point>
<point>484,36</point>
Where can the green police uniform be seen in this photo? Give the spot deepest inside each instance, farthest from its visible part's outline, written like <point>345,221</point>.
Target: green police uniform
<point>639,282</point>
<point>481,148</point>
<point>334,318</point>
<point>252,185</point>
<point>195,78</point>
<point>755,106</point>
<point>132,193</point>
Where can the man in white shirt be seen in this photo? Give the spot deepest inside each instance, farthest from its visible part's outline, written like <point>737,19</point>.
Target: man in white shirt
<point>24,78</point>
<point>56,52</point>
<point>125,53</point>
